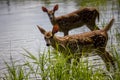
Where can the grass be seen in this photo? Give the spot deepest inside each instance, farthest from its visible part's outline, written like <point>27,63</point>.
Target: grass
<point>88,3</point>
<point>15,72</point>
<point>48,66</point>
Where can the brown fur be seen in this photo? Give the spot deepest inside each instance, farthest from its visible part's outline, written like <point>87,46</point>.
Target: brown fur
<point>78,18</point>
<point>86,42</point>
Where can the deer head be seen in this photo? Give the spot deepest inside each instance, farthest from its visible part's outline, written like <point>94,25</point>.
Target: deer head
<point>48,36</point>
<point>50,12</point>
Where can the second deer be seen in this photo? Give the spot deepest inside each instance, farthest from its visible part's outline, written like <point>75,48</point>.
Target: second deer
<point>78,18</point>
<point>77,43</point>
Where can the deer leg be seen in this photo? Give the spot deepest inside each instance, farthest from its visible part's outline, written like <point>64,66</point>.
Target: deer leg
<point>108,59</point>
<point>92,26</point>
<point>66,33</point>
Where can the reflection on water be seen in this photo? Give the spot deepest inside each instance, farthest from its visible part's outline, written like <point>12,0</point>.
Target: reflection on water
<point>18,20</point>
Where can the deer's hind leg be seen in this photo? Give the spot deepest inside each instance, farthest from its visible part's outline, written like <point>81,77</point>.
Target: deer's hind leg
<point>108,59</point>
<point>66,33</point>
<point>92,25</point>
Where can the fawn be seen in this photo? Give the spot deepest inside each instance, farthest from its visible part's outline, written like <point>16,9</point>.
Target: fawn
<point>91,41</point>
<point>78,18</point>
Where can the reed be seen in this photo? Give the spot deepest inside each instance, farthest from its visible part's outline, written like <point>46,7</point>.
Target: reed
<point>49,66</point>
<point>15,71</point>
<point>55,67</point>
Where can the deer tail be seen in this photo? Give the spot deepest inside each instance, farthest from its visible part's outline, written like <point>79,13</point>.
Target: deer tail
<point>109,25</point>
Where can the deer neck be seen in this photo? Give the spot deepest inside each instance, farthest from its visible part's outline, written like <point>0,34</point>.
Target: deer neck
<point>55,41</point>
<point>53,21</point>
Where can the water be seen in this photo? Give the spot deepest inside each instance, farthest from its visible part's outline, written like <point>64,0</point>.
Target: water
<point>18,20</point>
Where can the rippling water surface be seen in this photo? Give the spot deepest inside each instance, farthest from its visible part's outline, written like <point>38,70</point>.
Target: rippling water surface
<point>18,20</point>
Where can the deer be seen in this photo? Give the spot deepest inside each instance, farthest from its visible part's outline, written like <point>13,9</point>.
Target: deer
<point>84,16</point>
<point>92,41</point>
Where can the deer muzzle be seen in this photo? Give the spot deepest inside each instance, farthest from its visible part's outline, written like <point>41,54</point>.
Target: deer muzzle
<point>47,44</point>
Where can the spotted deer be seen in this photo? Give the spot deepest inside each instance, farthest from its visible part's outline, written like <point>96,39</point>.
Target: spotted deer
<point>85,16</point>
<point>88,42</point>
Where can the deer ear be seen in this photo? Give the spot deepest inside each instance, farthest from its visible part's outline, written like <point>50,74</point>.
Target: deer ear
<point>44,9</point>
<point>55,29</point>
<point>41,29</point>
<point>55,7</point>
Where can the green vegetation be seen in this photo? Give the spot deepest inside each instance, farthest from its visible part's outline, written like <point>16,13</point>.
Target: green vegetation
<point>94,3</point>
<point>15,72</point>
<point>48,66</point>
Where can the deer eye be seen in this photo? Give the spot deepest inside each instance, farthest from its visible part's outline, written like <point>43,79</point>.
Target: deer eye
<point>52,13</point>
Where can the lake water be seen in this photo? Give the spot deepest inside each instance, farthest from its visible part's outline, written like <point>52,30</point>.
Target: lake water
<point>18,20</point>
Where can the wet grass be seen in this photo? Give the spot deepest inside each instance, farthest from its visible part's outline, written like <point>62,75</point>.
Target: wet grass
<point>14,71</point>
<point>48,66</point>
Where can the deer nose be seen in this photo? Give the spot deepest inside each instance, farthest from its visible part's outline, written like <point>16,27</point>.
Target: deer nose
<point>47,44</point>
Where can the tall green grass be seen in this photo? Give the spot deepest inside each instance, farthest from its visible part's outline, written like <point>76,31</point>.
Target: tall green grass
<point>15,72</point>
<point>48,66</point>
<point>55,67</point>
